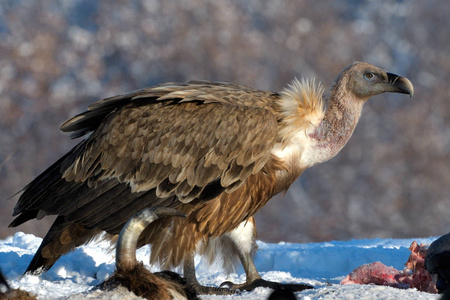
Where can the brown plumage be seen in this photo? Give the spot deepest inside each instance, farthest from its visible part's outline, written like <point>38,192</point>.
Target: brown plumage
<point>215,151</point>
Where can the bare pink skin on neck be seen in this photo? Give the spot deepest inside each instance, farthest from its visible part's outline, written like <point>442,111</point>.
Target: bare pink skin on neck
<point>339,122</point>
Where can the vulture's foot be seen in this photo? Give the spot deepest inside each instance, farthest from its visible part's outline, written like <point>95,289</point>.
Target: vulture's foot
<point>294,287</point>
<point>212,290</point>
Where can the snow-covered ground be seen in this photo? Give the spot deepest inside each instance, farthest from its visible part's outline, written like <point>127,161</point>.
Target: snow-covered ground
<point>322,265</point>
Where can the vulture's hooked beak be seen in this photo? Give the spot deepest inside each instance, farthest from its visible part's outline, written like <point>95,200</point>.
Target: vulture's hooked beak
<point>401,84</point>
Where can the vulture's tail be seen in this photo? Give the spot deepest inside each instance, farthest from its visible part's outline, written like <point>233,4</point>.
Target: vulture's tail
<point>39,264</point>
<point>62,237</point>
<point>39,196</point>
<point>45,189</point>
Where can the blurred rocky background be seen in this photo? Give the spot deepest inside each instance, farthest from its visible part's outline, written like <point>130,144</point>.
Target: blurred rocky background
<point>391,180</point>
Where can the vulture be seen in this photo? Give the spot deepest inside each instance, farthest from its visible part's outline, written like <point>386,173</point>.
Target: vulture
<point>216,152</point>
<point>437,263</point>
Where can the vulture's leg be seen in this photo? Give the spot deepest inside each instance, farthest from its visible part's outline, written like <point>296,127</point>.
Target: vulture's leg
<point>243,239</point>
<point>129,235</point>
<point>133,275</point>
<point>191,279</point>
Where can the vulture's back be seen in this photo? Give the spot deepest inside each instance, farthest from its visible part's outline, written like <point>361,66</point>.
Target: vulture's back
<point>192,91</point>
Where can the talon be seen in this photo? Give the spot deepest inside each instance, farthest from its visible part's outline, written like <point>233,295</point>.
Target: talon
<point>211,290</point>
<point>227,285</point>
<point>294,287</point>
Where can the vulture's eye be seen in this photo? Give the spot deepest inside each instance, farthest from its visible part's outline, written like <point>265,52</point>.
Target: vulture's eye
<point>369,75</point>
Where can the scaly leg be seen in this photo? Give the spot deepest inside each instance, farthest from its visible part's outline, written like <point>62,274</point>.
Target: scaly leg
<point>243,239</point>
<point>191,279</point>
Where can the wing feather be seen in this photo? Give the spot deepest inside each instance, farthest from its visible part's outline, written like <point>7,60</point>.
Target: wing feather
<point>218,141</point>
<point>170,143</point>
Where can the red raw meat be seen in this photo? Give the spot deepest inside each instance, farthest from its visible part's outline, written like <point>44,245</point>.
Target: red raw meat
<point>413,276</point>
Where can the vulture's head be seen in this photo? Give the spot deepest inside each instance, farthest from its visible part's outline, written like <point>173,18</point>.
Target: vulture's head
<point>365,80</point>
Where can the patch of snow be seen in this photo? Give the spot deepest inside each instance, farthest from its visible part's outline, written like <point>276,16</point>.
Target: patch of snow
<point>322,265</point>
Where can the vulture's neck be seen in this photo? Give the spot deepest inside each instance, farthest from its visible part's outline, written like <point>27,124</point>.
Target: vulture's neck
<point>321,139</point>
<point>339,122</point>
